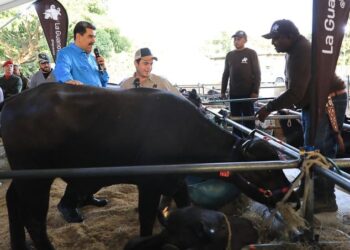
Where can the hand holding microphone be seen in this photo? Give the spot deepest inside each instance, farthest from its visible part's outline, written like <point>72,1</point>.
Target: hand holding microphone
<point>100,60</point>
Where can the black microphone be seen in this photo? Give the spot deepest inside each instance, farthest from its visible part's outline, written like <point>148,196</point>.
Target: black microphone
<point>136,82</point>
<point>97,55</point>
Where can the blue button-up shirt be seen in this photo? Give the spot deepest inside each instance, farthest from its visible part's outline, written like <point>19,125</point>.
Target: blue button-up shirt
<point>73,63</point>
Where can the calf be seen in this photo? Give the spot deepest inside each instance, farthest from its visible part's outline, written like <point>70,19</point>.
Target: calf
<point>199,229</point>
<point>65,126</point>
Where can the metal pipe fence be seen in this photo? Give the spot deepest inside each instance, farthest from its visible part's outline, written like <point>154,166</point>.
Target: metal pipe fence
<point>270,117</point>
<point>198,168</point>
<point>289,150</point>
<point>278,144</point>
<point>149,169</point>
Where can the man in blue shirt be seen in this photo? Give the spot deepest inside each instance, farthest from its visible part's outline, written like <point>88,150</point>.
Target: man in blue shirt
<point>77,66</point>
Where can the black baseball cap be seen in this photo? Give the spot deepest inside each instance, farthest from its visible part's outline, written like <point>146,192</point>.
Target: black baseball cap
<point>282,27</point>
<point>240,34</point>
<point>144,52</point>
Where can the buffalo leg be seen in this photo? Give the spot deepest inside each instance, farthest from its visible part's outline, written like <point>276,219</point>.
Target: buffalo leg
<point>35,207</point>
<point>16,224</point>
<point>148,208</point>
<point>181,196</point>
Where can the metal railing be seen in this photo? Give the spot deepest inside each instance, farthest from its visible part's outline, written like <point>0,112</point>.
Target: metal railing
<point>148,169</point>
<point>342,181</point>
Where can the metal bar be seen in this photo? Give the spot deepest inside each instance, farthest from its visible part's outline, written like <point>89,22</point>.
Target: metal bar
<point>342,162</point>
<point>289,150</point>
<point>270,117</point>
<point>344,174</point>
<point>293,112</point>
<point>285,148</point>
<point>218,85</point>
<point>336,178</point>
<point>287,245</point>
<point>149,169</point>
<point>296,152</point>
<point>238,100</point>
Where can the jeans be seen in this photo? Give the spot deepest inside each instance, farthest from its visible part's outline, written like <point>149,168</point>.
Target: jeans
<point>327,143</point>
<point>326,140</point>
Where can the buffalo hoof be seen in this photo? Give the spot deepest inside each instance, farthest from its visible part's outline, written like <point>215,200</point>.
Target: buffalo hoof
<point>92,201</point>
<point>71,215</point>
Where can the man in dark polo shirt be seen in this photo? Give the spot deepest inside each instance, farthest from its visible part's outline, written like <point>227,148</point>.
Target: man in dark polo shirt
<point>243,69</point>
<point>10,83</point>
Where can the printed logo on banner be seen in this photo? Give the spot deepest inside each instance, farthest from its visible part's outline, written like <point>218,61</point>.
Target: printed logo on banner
<point>54,21</point>
<point>52,13</point>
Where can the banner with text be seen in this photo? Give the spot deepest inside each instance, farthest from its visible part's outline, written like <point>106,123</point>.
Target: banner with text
<point>328,27</point>
<point>54,21</point>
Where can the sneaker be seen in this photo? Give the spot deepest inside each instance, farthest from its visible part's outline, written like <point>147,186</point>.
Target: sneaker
<point>325,206</point>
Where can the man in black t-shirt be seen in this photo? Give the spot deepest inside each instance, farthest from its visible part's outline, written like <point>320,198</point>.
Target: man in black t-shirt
<point>243,69</point>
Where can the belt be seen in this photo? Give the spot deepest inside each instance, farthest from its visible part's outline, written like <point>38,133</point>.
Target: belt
<point>338,92</point>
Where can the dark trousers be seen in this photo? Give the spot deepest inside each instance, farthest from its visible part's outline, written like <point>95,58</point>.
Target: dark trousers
<point>241,109</point>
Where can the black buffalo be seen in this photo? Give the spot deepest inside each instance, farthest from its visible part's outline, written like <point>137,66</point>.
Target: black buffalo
<point>199,229</point>
<point>65,126</point>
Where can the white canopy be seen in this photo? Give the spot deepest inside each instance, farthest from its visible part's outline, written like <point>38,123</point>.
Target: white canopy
<point>8,4</point>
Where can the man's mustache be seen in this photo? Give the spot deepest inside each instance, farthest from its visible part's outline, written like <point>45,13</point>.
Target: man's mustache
<point>91,44</point>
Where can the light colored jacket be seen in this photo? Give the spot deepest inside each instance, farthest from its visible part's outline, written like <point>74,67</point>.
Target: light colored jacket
<point>38,78</point>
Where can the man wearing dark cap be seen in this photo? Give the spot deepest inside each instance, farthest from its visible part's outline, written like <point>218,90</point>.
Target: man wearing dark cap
<point>10,84</point>
<point>45,73</point>
<point>286,39</point>
<point>143,78</point>
<point>243,69</point>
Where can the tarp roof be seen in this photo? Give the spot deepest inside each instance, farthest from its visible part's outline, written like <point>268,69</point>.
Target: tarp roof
<point>8,4</point>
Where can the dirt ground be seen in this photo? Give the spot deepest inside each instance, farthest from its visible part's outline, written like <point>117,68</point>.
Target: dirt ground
<point>112,226</point>
<point>104,228</point>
